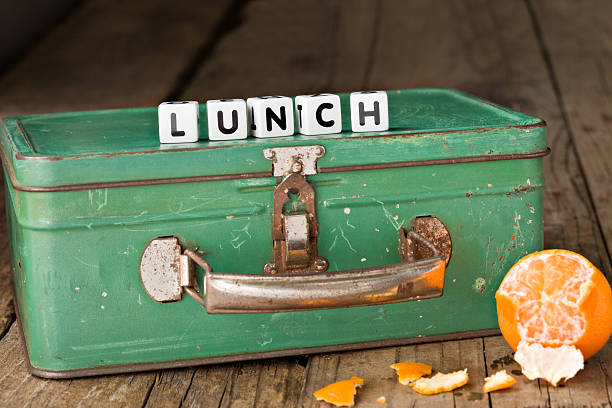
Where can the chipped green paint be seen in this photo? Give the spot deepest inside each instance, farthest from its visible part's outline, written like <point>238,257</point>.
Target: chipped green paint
<point>75,254</point>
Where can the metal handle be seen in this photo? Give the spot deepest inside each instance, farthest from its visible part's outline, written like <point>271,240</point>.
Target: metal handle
<point>239,293</point>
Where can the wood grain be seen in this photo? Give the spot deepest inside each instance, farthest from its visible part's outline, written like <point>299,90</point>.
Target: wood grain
<point>290,48</point>
<point>110,56</point>
<point>18,388</point>
<point>577,43</point>
<point>381,380</point>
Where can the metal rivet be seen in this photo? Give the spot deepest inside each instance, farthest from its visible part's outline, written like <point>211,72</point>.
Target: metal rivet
<point>321,264</point>
<point>270,268</point>
<point>296,167</point>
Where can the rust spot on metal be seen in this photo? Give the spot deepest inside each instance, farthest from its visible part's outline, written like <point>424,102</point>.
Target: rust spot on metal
<point>434,230</point>
<point>289,261</point>
<point>518,190</point>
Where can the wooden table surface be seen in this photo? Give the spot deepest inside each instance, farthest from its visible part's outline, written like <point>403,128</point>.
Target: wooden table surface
<point>552,59</point>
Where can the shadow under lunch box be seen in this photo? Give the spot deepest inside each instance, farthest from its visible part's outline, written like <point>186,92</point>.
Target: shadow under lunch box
<point>129,255</point>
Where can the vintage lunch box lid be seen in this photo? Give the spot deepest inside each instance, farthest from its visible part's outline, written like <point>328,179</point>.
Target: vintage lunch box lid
<point>108,148</point>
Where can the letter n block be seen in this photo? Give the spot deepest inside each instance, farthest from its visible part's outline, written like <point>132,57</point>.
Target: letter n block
<point>270,116</point>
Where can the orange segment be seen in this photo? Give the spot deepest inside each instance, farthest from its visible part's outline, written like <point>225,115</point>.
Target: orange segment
<point>441,382</point>
<point>498,381</point>
<point>381,400</point>
<point>408,372</point>
<point>341,393</point>
<point>555,298</point>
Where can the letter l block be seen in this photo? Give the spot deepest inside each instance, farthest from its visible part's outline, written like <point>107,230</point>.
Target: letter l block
<point>178,122</point>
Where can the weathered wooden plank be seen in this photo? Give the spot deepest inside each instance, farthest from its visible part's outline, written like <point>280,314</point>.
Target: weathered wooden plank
<point>590,387</point>
<point>170,387</point>
<point>209,386</point>
<point>380,379</point>
<point>290,48</point>
<point>524,393</point>
<point>576,40</point>
<point>110,55</point>
<point>269,383</point>
<point>19,388</point>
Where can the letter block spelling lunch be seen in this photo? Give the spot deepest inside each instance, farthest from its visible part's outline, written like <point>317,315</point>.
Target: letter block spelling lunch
<point>279,230</point>
<point>272,116</point>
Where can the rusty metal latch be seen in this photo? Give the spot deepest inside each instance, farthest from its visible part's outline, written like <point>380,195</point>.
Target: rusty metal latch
<point>295,230</point>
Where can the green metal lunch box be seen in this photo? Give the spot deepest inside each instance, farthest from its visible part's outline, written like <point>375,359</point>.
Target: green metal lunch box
<point>129,255</point>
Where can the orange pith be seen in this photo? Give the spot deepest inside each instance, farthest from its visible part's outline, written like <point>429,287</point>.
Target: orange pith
<point>555,297</point>
<point>341,393</point>
<point>498,381</point>
<point>440,382</point>
<point>408,372</point>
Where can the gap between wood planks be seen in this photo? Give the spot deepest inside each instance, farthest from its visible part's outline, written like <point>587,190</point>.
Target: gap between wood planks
<point>229,21</point>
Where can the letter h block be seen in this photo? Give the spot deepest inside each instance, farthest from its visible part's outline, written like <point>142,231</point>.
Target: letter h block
<point>369,111</point>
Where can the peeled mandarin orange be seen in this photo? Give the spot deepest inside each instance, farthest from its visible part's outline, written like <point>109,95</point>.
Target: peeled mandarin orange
<point>440,382</point>
<point>558,300</point>
<point>498,381</point>
<point>341,393</point>
<point>408,372</point>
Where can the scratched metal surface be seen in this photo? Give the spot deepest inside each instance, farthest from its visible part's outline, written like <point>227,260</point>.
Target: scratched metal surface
<point>550,59</point>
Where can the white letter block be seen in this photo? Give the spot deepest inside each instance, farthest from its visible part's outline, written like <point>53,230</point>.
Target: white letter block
<point>178,122</point>
<point>270,116</point>
<point>369,111</point>
<point>226,119</point>
<point>318,114</point>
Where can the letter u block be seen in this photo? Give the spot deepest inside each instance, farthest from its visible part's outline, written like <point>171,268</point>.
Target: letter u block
<point>270,116</point>
<point>227,119</point>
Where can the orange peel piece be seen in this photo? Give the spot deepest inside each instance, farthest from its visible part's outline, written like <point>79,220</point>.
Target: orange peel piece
<point>381,400</point>
<point>341,393</point>
<point>498,381</point>
<point>408,372</point>
<point>441,382</point>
